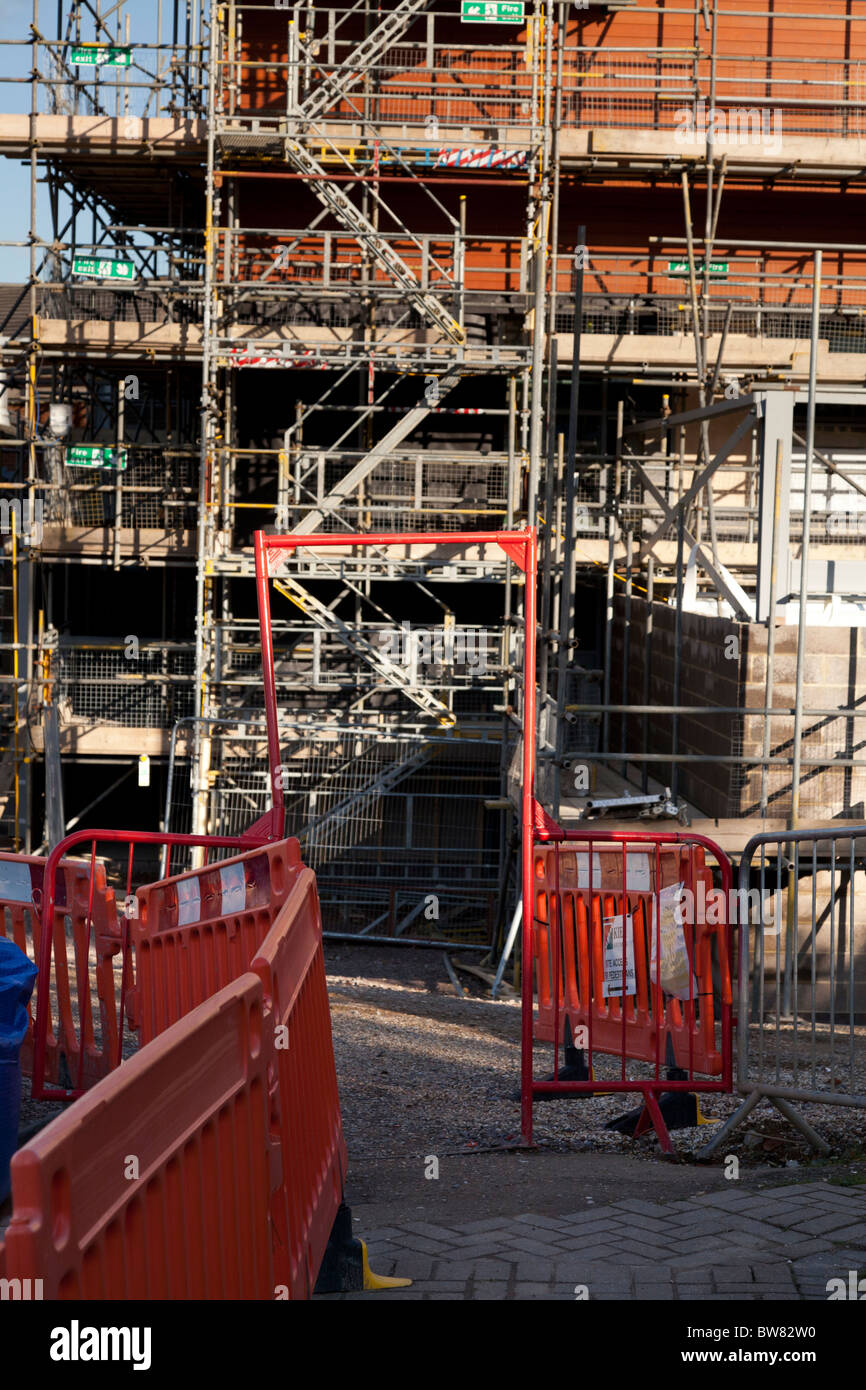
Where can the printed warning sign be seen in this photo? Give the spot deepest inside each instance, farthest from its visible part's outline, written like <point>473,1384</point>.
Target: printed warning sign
<point>669,959</point>
<point>613,970</point>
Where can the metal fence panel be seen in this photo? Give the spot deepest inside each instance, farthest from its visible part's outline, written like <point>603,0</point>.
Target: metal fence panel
<point>801,1017</point>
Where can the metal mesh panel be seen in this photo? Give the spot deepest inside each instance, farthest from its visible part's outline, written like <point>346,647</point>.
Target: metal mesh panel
<point>149,691</point>
<point>156,490</point>
<point>119,305</point>
<point>334,794</point>
<point>626,90</point>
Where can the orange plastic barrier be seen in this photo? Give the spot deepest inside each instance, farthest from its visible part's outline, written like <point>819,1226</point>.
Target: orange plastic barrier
<point>581,930</point>
<point>233,1118</point>
<point>199,930</point>
<point>304,1099</point>
<point>191,1109</point>
<point>93,981</point>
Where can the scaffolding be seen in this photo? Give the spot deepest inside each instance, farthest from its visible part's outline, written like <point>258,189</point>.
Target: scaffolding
<point>321,268</point>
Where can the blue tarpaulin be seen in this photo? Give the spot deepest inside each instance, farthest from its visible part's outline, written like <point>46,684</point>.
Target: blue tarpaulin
<point>17,977</point>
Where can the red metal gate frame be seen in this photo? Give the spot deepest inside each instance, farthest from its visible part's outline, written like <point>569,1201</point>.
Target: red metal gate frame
<point>521,548</point>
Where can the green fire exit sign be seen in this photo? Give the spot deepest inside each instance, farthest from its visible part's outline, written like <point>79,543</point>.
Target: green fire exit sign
<point>103,269</point>
<point>95,456</point>
<point>682,268</point>
<point>491,12</point>
<point>100,55</point>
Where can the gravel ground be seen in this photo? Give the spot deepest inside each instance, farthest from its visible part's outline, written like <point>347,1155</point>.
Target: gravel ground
<point>425,1073</point>
<point>422,1072</point>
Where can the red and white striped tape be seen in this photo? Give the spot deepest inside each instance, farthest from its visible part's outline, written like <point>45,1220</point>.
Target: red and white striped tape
<point>240,357</point>
<point>489,158</point>
<point>436,409</point>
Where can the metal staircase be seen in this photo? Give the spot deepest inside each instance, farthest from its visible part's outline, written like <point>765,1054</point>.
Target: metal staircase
<point>337,83</point>
<point>356,475</point>
<point>392,674</point>
<point>301,121</point>
<point>351,818</point>
<point>333,198</point>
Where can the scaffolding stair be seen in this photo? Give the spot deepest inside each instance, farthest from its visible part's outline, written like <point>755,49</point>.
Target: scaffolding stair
<point>332,89</point>
<point>346,486</point>
<point>336,84</point>
<point>393,674</point>
<point>333,198</point>
<point>360,799</point>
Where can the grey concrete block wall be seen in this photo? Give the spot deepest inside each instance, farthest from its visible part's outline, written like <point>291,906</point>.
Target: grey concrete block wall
<point>725,663</point>
<point>719,671</point>
<point>708,676</point>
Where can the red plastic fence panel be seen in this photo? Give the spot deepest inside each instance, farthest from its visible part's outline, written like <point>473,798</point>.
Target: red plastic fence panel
<point>86,938</point>
<point>233,1116</point>
<point>108,981</point>
<point>191,1109</point>
<point>305,1105</point>
<point>199,930</point>
<point>632,956</point>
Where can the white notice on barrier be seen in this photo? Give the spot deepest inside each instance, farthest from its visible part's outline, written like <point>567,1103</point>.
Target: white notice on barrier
<point>613,973</point>
<point>637,871</point>
<point>188,902</point>
<point>583,870</point>
<point>15,882</point>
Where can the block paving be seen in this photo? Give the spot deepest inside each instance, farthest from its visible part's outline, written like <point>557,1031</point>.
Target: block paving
<point>778,1243</point>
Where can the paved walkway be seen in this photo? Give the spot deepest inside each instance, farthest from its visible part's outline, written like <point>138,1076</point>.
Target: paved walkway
<point>775,1243</point>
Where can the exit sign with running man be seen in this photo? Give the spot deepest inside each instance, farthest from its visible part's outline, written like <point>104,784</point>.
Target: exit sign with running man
<point>491,12</point>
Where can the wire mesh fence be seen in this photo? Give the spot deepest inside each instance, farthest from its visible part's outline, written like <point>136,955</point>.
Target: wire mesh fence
<point>757,97</point>
<point>149,687</point>
<point>753,294</point>
<point>154,489</point>
<point>410,491</point>
<point>428,79</point>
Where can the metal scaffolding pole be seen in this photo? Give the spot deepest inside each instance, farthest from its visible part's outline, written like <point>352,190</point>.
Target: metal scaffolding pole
<point>802,625</point>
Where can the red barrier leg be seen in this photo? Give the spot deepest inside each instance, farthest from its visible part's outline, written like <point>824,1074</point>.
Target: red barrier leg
<point>651,1112</point>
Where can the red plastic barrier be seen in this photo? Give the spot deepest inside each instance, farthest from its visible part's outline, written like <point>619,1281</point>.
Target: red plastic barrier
<point>116,987</point>
<point>595,892</point>
<point>199,930</point>
<point>305,1105</point>
<point>690,1023</point>
<point>79,920</point>
<point>233,1118</point>
<point>191,1109</point>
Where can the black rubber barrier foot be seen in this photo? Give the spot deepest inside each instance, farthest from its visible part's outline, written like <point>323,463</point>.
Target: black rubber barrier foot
<point>342,1268</point>
<point>345,1267</point>
<point>574,1069</point>
<point>680,1110</point>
